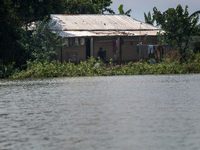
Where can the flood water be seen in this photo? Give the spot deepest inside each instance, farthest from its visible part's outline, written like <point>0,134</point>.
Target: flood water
<point>101,113</point>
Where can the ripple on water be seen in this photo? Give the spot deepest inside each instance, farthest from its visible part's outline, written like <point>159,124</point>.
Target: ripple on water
<point>122,112</point>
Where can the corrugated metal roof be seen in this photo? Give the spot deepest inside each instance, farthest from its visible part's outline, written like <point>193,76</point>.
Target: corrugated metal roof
<point>104,33</point>
<point>99,22</point>
<point>94,33</point>
<point>76,34</point>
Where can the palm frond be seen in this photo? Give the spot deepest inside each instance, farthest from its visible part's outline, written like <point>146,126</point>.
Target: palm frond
<point>195,14</point>
<point>121,9</point>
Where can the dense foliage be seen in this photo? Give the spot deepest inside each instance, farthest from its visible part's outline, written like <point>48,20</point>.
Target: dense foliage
<point>121,10</point>
<point>178,26</point>
<point>16,41</point>
<point>87,6</point>
<point>148,18</point>
<point>97,68</point>
<point>103,6</point>
<point>41,44</point>
<point>23,49</point>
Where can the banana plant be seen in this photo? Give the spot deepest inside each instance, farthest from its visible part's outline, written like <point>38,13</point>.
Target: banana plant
<point>148,18</point>
<point>195,14</point>
<point>121,10</point>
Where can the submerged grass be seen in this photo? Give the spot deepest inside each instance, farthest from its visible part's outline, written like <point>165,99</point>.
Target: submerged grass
<point>97,68</point>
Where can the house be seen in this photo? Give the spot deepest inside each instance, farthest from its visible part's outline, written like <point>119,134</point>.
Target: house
<point>117,35</point>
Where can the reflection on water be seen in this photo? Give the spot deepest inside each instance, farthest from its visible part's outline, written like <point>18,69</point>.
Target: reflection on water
<point>122,112</point>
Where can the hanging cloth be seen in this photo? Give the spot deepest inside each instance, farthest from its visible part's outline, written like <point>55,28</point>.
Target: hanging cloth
<point>144,51</point>
<point>150,49</point>
<point>66,41</point>
<point>114,46</point>
<point>76,43</point>
<point>138,48</point>
<point>82,41</point>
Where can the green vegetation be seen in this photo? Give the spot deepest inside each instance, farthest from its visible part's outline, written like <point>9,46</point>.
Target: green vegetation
<point>97,68</point>
<point>18,44</point>
<point>41,44</point>
<point>6,70</point>
<point>121,10</point>
<point>87,6</point>
<point>148,18</point>
<point>24,53</point>
<point>178,27</point>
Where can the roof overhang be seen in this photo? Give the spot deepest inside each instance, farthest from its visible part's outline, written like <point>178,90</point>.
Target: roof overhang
<point>105,33</point>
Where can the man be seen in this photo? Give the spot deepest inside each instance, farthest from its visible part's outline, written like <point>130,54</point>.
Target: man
<point>101,54</point>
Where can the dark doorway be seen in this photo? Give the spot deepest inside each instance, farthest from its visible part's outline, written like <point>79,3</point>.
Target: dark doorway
<point>87,48</point>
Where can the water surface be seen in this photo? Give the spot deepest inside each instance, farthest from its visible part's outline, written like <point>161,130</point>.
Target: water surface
<point>98,113</point>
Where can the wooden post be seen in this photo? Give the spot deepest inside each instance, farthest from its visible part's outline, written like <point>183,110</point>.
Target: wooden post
<point>139,41</point>
<point>121,49</point>
<point>118,50</point>
<point>139,52</point>
<point>91,47</point>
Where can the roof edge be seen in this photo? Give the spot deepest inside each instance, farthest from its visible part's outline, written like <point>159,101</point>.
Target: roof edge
<point>112,30</point>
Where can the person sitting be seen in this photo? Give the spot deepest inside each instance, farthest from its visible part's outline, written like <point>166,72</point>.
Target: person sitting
<point>101,54</point>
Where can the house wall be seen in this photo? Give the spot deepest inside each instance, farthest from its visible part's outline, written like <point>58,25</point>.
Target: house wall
<point>73,50</point>
<point>128,49</point>
<point>106,44</point>
<point>72,53</point>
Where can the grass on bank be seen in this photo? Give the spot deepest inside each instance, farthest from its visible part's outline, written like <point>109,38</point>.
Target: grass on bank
<point>97,68</point>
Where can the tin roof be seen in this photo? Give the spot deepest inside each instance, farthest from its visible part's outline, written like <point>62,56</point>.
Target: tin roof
<point>104,33</point>
<point>100,25</point>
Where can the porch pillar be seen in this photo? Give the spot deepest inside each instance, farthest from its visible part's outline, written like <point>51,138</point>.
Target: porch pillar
<point>91,47</point>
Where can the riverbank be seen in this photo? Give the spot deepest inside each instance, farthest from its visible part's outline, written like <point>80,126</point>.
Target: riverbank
<point>97,68</point>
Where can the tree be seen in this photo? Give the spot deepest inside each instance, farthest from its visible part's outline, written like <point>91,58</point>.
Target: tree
<point>80,7</point>
<point>27,11</point>
<point>102,6</point>
<point>9,33</point>
<point>87,6</point>
<point>15,16</point>
<point>121,10</point>
<point>42,43</point>
<point>195,14</point>
<point>149,19</point>
<point>178,26</point>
